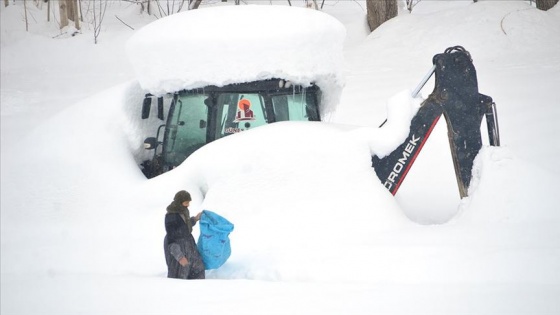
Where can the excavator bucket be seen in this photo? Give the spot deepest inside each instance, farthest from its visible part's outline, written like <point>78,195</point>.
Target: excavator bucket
<point>456,97</point>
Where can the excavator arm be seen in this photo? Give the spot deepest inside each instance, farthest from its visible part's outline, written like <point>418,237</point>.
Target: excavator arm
<point>456,97</point>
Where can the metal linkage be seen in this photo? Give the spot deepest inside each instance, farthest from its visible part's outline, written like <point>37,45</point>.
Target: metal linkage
<point>456,96</point>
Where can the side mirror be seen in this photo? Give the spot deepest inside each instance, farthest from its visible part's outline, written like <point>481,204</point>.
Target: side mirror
<point>150,143</point>
<point>146,107</point>
<point>160,108</point>
<point>202,124</point>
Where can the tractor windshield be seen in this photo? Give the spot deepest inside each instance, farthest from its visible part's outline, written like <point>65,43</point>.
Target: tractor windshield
<point>186,128</point>
<point>197,117</point>
<point>239,112</point>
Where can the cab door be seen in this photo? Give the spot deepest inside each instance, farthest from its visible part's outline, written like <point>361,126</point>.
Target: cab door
<point>186,128</point>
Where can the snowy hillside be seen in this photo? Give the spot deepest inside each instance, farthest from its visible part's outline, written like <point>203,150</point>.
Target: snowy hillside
<point>315,231</point>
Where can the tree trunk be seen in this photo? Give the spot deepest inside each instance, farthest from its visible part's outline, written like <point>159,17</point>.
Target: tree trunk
<point>312,4</point>
<point>195,4</point>
<point>546,4</point>
<point>76,15</point>
<point>70,10</point>
<point>379,11</point>
<point>6,3</point>
<point>25,10</point>
<point>63,13</point>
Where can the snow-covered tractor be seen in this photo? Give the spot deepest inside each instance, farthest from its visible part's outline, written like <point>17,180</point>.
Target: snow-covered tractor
<point>199,116</point>
<point>209,96</point>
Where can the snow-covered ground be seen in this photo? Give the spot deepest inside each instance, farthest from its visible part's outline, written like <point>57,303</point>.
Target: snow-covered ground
<point>315,231</point>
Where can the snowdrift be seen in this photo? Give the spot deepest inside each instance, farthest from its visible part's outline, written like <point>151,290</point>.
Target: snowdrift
<point>82,229</point>
<point>225,45</point>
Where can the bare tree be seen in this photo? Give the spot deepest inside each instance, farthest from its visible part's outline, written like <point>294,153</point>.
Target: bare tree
<point>25,11</point>
<point>546,4</point>
<point>70,9</point>
<point>312,4</point>
<point>62,7</point>
<point>68,12</point>
<point>75,14</point>
<point>81,12</point>
<point>170,7</point>
<point>98,15</point>
<point>379,11</point>
<point>161,8</point>
<point>411,3</point>
<point>194,4</point>
<point>147,7</point>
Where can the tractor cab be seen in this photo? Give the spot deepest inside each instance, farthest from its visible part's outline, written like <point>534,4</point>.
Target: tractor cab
<point>199,116</point>
<point>250,68</point>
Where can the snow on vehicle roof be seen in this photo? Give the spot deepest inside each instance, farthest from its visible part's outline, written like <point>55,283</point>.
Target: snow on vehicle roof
<point>234,44</point>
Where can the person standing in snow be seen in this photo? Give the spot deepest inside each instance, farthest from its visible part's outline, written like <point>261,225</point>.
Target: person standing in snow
<point>181,253</point>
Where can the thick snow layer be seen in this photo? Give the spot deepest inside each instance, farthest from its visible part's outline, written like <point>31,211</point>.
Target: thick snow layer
<point>316,233</point>
<point>235,44</point>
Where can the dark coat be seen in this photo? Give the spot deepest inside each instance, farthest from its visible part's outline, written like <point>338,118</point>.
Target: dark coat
<point>178,243</point>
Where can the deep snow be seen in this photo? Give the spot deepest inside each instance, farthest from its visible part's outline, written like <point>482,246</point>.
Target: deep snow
<point>194,49</point>
<point>316,233</point>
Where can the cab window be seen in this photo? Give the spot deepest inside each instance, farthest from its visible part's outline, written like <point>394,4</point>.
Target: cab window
<point>187,127</point>
<point>290,107</point>
<point>240,112</point>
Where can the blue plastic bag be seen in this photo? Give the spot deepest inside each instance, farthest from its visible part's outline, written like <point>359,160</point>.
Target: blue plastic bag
<point>213,242</point>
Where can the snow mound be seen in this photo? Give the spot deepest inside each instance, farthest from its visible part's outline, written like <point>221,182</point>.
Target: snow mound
<point>289,208</point>
<point>235,44</point>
